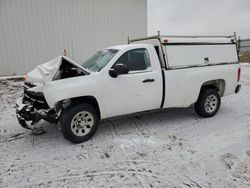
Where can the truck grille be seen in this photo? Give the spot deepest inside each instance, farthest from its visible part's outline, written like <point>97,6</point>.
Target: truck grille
<point>35,98</point>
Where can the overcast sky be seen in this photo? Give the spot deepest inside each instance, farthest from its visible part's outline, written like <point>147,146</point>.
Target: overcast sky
<point>194,17</point>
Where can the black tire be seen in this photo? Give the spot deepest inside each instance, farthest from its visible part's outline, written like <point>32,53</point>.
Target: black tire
<point>206,105</point>
<point>67,122</point>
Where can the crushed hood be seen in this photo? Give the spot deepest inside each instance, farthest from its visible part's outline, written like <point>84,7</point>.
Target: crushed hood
<point>45,72</point>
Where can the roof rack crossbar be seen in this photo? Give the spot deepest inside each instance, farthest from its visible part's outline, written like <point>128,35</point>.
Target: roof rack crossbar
<point>198,36</point>
<point>179,36</point>
<point>144,38</point>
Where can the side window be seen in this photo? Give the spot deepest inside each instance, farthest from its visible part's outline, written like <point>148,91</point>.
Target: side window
<point>135,60</point>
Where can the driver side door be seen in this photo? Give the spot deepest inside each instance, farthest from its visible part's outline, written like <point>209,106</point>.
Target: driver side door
<point>135,91</point>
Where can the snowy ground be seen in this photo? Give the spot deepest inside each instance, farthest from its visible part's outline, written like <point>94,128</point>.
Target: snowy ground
<point>173,148</point>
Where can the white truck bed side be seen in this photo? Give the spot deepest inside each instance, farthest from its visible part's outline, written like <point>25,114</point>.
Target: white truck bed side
<point>183,85</point>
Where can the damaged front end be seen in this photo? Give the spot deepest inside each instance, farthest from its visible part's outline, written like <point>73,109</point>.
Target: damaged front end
<point>32,107</point>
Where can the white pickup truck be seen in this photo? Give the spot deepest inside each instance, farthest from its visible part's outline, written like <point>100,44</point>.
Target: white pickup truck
<point>147,74</point>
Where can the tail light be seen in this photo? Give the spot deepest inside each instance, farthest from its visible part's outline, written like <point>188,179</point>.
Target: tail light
<point>239,73</point>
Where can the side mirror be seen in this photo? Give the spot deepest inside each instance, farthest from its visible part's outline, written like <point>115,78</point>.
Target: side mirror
<point>118,69</point>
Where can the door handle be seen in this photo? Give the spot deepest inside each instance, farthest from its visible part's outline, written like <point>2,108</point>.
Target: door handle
<point>148,80</point>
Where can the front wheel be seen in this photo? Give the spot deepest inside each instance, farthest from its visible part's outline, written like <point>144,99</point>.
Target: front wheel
<point>208,103</point>
<point>79,123</point>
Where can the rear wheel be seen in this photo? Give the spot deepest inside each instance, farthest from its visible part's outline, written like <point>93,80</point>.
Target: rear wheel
<point>79,123</point>
<point>208,103</point>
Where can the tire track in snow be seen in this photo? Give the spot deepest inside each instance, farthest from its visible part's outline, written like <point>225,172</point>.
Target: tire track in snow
<point>114,135</point>
<point>112,130</point>
<point>141,134</point>
<point>11,137</point>
<point>138,129</point>
<point>81,176</point>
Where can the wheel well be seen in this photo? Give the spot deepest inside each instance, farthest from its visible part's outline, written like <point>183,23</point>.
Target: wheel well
<point>77,100</point>
<point>219,85</point>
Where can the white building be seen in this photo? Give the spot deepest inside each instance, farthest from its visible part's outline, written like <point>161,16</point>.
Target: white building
<point>35,31</point>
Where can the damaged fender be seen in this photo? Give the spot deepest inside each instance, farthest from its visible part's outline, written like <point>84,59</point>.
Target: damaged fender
<point>59,90</point>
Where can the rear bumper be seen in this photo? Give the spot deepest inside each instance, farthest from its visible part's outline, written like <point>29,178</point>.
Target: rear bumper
<point>237,89</point>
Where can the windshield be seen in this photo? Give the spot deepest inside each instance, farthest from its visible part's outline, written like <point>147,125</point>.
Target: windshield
<point>99,60</point>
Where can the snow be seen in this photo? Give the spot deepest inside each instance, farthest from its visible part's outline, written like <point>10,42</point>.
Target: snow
<point>20,77</point>
<point>170,148</point>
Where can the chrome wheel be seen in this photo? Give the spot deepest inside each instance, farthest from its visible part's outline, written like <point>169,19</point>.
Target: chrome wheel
<point>82,123</point>
<point>211,103</point>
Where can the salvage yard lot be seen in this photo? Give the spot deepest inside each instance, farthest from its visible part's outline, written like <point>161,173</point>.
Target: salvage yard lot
<point>171,148</point>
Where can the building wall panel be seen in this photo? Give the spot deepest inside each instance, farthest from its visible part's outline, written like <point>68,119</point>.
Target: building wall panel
<point>35,31</point>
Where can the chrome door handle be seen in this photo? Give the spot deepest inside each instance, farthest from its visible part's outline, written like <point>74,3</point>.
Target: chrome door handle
<point>148,80</point>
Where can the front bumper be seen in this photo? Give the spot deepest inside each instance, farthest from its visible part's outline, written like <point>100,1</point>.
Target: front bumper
<point>23,113</point>
<point>27,114</point>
